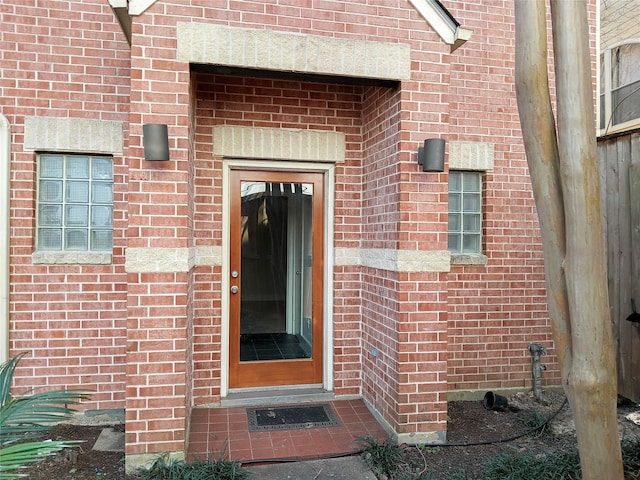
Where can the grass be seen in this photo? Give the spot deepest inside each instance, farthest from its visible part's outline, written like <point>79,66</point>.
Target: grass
<point>631,458</point>
<point>165,468</point>
<point>555,465</point>
<point>552,466</point>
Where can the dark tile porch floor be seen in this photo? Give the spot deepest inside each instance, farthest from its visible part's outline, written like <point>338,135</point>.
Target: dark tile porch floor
<point>217,432</point>
<point>270,346</point>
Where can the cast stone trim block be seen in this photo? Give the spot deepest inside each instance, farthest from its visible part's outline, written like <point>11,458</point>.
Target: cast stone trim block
<point>469,259</point>
<point>395,260</point>
<point>171,260</point>
<point>471,156</point>
<point>71,258</point>
<point>157,260</point>
<point>211,44</point>
<point>210,256</point>
<point>278,143</point>
<point>77,135</point>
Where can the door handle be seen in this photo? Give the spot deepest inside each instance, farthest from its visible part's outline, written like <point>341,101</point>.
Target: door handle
<point>234,289</point>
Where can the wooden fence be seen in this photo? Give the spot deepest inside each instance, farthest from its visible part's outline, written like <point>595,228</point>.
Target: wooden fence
<point>620,175</point>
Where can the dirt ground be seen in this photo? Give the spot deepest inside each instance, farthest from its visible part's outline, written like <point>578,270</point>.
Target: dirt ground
<point>81,462</point>
<point>469,422</point>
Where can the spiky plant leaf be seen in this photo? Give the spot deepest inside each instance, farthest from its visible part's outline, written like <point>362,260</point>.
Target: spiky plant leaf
<point>6,377</point>
<point>28,416</point>
<point>17,457</point>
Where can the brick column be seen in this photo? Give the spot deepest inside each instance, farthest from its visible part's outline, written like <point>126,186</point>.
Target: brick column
<point>159,252</point>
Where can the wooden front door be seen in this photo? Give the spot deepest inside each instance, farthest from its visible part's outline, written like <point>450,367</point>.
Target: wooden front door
<point>276,280</point>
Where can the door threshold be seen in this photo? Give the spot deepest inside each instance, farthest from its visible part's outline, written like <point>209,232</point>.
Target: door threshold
<point>279,395</point>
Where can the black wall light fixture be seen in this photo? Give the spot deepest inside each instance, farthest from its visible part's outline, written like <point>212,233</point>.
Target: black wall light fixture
<point>431,155</point>
<point>155,139</point>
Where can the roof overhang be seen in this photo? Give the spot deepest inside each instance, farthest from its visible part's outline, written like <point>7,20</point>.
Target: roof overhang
<point>444,24</point>
<point>436,15</point>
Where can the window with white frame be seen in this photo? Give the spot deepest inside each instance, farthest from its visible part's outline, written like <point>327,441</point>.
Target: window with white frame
<point>620,87</point>
<point>75,203</point>
<point>465,212</point>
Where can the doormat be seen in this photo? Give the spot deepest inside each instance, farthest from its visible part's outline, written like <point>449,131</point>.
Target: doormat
<point>291,418</point>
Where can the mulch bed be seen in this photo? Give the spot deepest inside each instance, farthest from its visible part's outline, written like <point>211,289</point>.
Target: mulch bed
<point>468,422</point>
<point>81,462</point>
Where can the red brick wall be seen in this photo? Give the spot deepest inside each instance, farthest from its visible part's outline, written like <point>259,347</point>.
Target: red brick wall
<point>64,59</point>
<point>497,310</point>
<point>468,328</point>
<point>160,216</point>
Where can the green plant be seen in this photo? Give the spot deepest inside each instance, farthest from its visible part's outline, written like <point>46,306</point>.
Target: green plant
<point>25,419</point>
<point>537,420</point>
<point>165,468</point>
<point>429,450</point>
<point>385,458</point>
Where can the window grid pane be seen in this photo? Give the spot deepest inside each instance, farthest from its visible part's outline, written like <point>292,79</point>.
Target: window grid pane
<point>51,166</point>
<point>619,83</point>
<point>79,202</point>
<point>77,167</point>
<point>465,212</point>
<point>50,239</point>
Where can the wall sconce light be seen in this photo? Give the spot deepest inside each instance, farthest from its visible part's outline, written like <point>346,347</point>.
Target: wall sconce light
<point>155,139</point>
<point>431,155</point>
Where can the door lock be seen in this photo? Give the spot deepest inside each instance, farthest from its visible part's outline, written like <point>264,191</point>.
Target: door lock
<point>234,289</point>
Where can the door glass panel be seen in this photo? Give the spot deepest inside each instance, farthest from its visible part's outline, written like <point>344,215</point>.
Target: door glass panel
<point>275,288</point>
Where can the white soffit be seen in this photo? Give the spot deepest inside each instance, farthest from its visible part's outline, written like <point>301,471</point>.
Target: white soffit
<point>442,22</point>
<point>138,7</point>
<point>133,7</point>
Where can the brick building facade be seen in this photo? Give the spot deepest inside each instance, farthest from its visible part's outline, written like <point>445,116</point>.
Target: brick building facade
<point>302,117</point>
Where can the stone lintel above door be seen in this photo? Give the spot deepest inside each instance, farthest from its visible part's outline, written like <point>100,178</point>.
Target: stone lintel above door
<point>279,143</point>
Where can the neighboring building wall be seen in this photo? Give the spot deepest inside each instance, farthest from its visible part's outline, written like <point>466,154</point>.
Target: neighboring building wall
<point>618,21</point>
<point>64,86</point>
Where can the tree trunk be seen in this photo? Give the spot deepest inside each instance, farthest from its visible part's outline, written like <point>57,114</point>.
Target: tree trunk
<point>541,146</point>
<point>565,181</point>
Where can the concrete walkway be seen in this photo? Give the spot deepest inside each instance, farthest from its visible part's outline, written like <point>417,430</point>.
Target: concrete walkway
<point>345,468</point>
